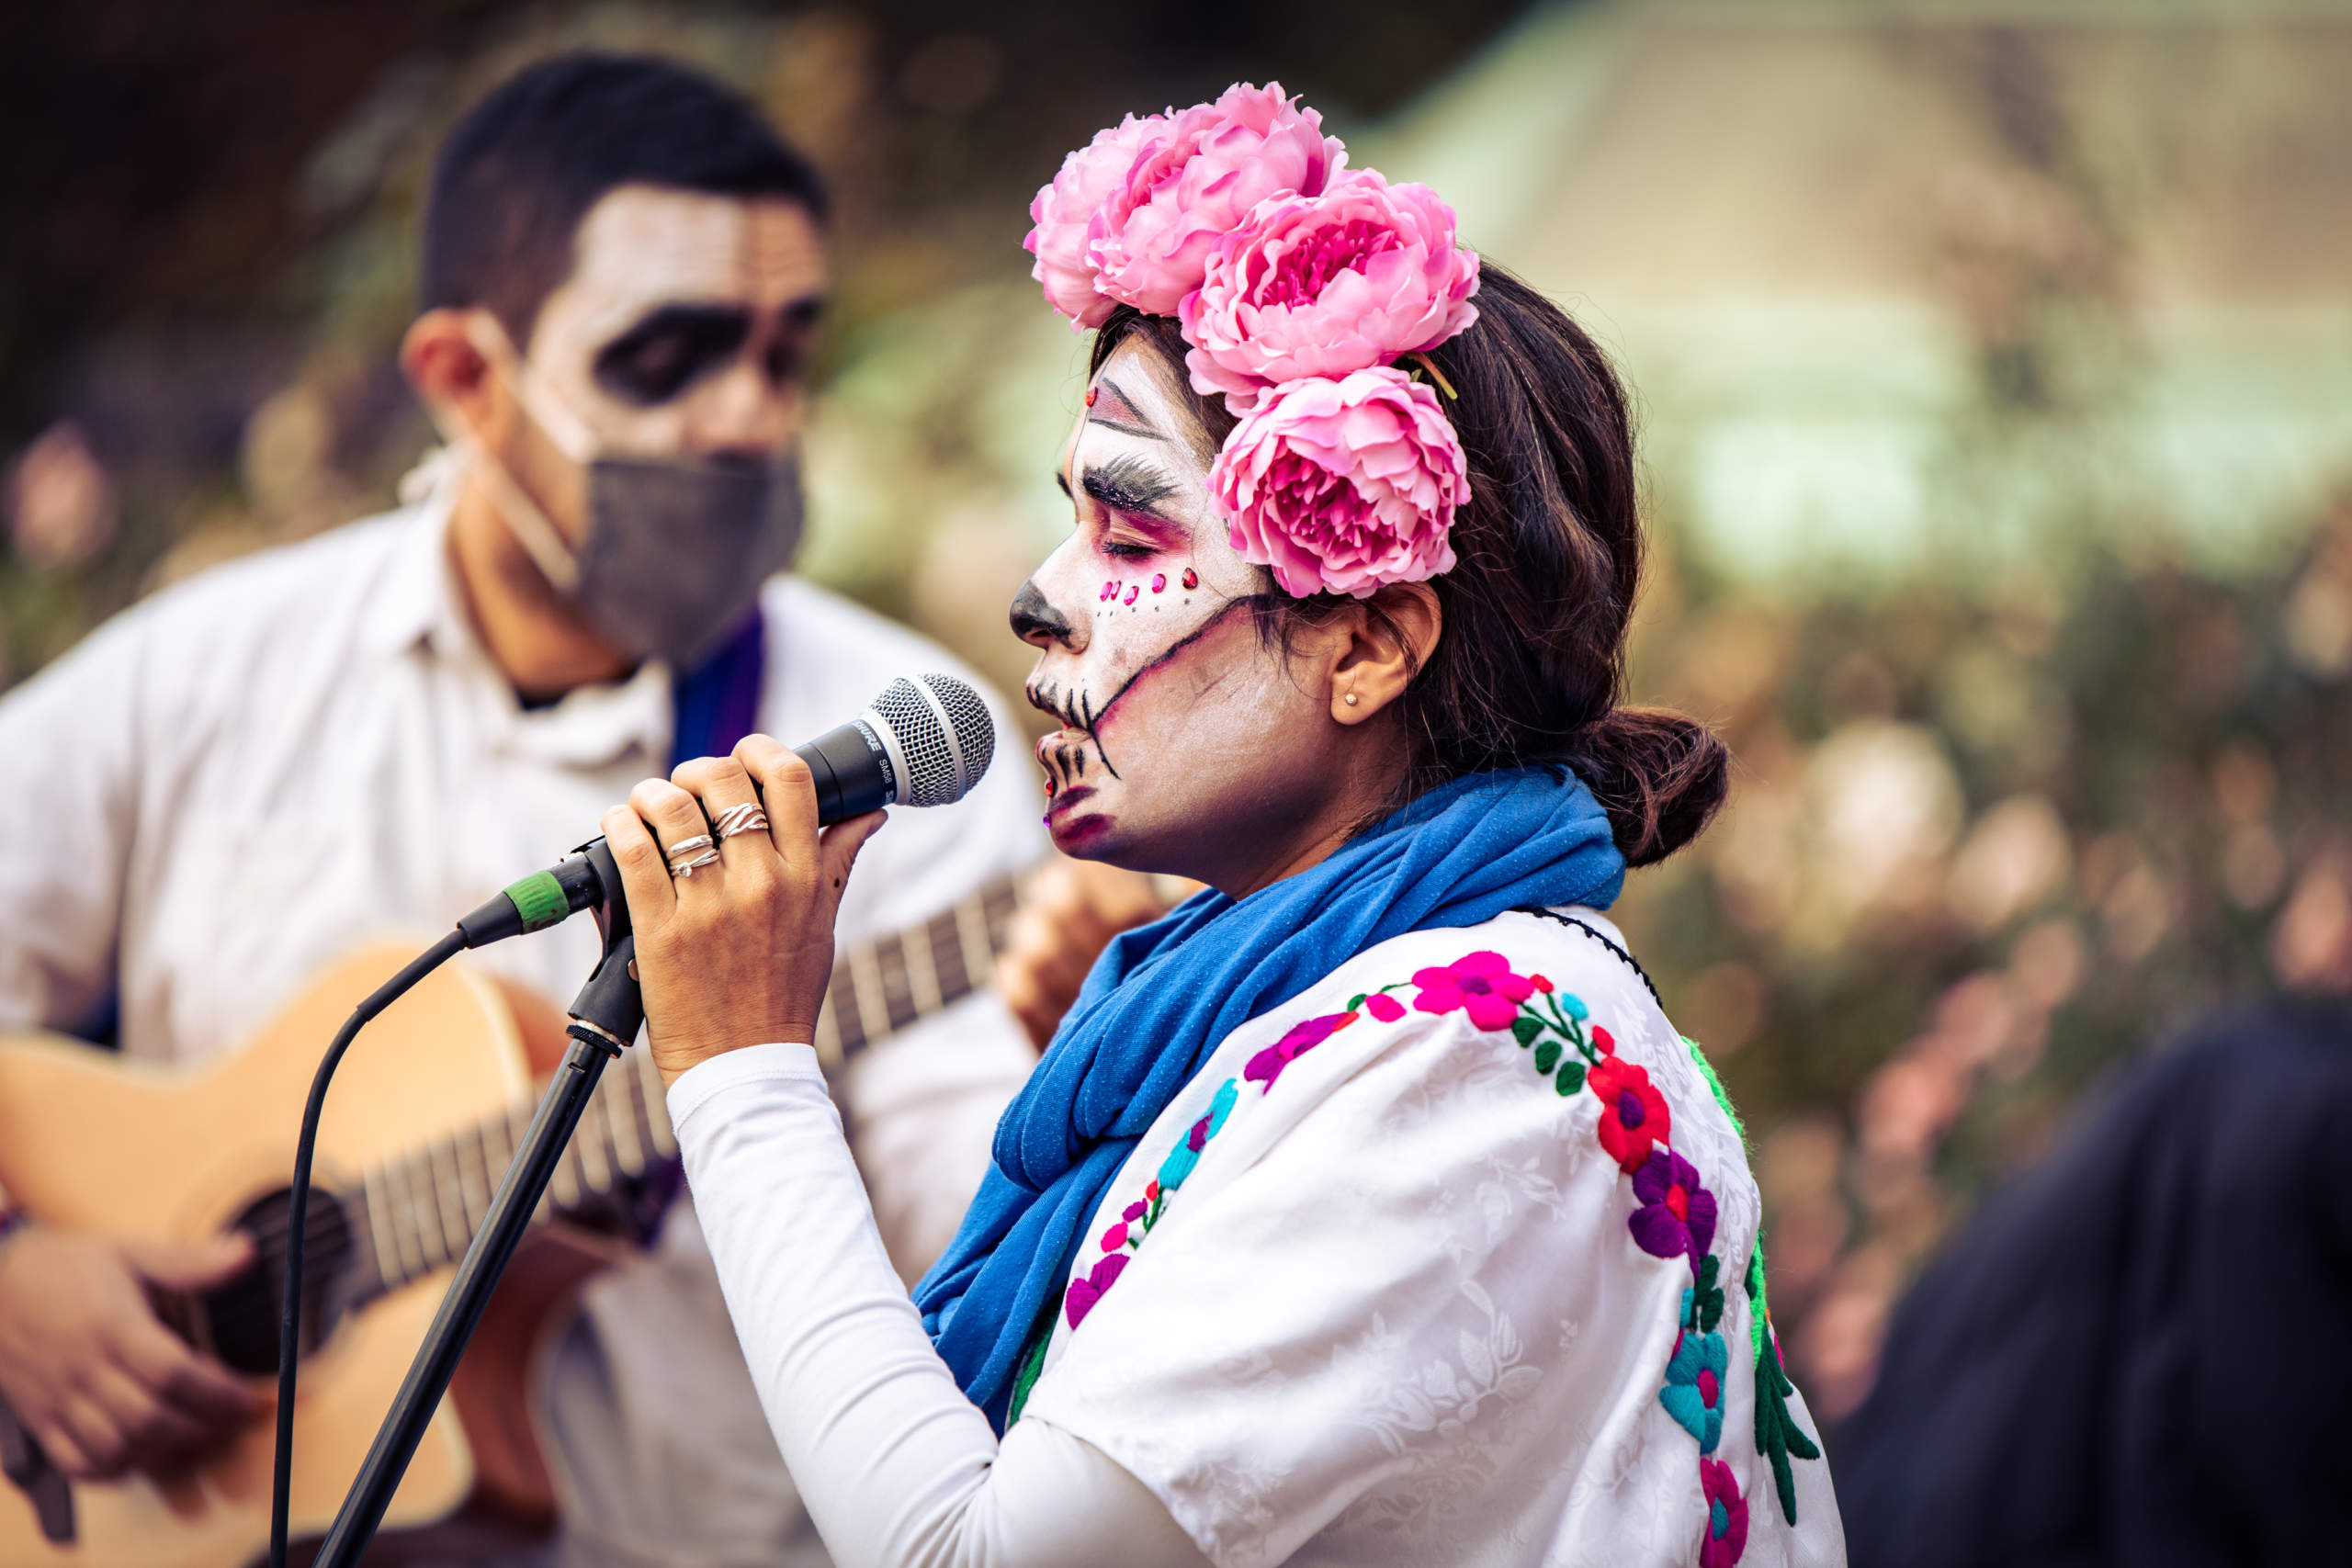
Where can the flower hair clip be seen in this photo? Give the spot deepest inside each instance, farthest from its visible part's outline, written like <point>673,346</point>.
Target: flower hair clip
<point>1297,284</point>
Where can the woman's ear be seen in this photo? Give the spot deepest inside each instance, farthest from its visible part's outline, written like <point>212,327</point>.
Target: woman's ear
<point>1390,636</point>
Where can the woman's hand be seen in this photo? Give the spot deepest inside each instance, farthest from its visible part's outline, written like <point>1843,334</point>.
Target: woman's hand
<point>740,952</point>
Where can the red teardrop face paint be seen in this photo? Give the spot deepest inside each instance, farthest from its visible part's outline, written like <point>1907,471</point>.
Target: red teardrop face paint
<point>1158,581</point>
<point>1191,578</point>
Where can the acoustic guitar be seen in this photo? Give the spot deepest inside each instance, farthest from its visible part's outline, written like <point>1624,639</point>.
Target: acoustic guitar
<point>426,1113</point>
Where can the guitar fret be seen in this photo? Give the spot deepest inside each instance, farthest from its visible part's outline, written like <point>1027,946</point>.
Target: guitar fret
<point>404,1171</point>
<point>477,1191</point>
<point>447,1198</point>
<point>497,1149</point>
<point>657,1105</point>
<point>943,935</point>
<point>380,1229</point>
<point>999,901</point>
<point>923,971</point>
<point>873,1009</point>
<point>972,933</point>
<point>890,966</point>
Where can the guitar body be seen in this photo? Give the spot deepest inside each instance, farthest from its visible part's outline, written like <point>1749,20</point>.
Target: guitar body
<point>89,1142</point>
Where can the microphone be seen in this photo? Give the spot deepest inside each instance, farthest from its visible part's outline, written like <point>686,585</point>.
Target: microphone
<point>924,742</point>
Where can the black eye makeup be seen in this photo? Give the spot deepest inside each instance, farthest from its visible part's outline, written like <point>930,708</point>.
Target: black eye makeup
<point>669,351</point>
<point>1129,484</point>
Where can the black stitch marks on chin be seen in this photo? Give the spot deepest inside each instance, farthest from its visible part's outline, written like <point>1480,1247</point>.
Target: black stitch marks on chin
<point>1096,716</point>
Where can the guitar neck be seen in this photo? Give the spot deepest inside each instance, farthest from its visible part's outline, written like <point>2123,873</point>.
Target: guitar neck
<point>417,1214</point>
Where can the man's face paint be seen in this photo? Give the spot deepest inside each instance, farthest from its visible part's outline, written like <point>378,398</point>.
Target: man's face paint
<point>684,330</point>
<point>1173,709</point>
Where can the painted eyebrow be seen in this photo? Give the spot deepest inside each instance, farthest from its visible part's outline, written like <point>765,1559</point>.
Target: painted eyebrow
<point>1133,426</point>
<point>1128,484</point>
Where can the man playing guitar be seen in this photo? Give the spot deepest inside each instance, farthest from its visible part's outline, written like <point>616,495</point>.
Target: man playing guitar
<point>222,789</point>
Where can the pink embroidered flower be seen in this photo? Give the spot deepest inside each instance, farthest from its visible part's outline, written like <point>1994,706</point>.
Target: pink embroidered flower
<point>1677,1218</point>
<point>1079,1299</point>
<point>1726,1536</point>
<point>1323,285</point>
<point>1268,1065</point>
<point>1383,1006</point>
<point>1068,218</point>
<point>1480,983</point>
<point>1197,174</point>
<point>1115,1237</point>
<point>1342,486</point>
<point>1633,1113</point>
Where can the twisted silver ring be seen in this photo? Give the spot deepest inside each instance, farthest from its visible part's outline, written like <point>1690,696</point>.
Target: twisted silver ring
<point>745,819</point>
<point>683,869</point>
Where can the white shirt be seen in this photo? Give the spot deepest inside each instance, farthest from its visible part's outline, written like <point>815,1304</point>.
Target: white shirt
<point>236,781</point>
<point>1398,1308</point>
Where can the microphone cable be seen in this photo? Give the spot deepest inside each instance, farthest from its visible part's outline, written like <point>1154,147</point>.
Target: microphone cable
<point>289,1321</point>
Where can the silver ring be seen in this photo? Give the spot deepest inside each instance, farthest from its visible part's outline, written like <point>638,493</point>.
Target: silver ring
<point>736,819</point>
<point>683,869</point>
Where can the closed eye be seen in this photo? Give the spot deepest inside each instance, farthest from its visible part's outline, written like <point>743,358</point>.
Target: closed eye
<point>1127,483</point>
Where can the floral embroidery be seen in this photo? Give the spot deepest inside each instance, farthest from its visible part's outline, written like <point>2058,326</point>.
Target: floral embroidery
<point>1726,1535</point>
<point>1479,983</point>
<point>1678,1216</point>
<point>1675,1215</point>
<point>1694,1394</point>
<point>1633,1118</point>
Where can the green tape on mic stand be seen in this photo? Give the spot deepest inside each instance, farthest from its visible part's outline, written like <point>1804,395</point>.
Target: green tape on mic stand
<point>539,899</point>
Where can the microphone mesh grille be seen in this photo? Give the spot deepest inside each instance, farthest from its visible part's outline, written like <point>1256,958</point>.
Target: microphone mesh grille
<point>933,777</point>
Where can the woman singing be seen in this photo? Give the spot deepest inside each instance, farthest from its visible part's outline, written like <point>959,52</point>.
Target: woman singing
<point>1366,1208</point>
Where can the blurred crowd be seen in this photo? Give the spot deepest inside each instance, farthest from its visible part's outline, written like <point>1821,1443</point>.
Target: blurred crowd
<point>2067,771</point>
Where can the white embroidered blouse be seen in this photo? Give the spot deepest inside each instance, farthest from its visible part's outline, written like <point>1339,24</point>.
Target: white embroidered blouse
<point>1442,1261</point>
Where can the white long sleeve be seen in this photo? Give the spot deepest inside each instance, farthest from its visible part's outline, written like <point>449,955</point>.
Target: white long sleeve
<point>897,1468</point>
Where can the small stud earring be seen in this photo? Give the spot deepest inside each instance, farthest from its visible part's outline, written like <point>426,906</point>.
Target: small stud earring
<point>1350,699</point>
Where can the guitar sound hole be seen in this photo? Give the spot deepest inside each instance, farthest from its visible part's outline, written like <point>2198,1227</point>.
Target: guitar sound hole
<point>238,1318</point>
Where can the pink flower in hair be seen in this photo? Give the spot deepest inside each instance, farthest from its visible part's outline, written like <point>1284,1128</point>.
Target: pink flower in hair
<point>1343,485</point>
<point>1068,214</point>
<point>1324,284</point>
<point>1198,175</point>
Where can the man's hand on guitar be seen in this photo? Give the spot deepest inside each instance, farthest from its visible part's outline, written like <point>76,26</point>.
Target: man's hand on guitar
<point>88,1368</point>
<point>1069,911</point>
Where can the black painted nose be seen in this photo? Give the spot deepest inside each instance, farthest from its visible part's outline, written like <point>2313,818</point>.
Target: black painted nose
<point>1034,621</point>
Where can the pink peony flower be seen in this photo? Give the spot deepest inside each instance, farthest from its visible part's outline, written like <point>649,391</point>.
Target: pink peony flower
<point>1197,176</point>
<point>1068,218</point>
<point>1323,285</point>
<point>1343,485</point>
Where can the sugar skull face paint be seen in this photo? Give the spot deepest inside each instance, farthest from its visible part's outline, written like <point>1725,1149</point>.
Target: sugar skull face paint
<point>1181,725</point>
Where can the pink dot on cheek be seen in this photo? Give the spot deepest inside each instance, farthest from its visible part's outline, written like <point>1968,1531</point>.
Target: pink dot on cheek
<point>1133,591</point>
<point>1158,581</point>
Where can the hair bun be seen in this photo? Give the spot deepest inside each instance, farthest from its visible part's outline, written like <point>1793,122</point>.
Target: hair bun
<point>1660,776</point>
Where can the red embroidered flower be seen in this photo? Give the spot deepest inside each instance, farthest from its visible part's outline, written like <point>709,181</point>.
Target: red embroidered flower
<point>1603,1042</point>
<point>1268,1065</point>
<point>1478,983</point>
<point>1726,1535</point>
<point>1633,1114</point>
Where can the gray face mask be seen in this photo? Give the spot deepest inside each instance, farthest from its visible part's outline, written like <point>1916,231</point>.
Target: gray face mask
<point>677,547</point>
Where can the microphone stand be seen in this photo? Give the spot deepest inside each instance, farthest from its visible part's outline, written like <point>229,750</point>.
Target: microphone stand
<point>605,1020</point>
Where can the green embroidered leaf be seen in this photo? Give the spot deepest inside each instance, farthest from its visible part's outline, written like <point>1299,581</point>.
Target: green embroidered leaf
<point>1355,1001</point>
<point>1706,1297</point>
<point>1571,1077</point>
<point>1525,1028</point>
<point>1547,1056</point>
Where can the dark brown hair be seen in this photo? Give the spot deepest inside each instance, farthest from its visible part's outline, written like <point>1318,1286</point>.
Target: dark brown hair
<point>1531,661</point>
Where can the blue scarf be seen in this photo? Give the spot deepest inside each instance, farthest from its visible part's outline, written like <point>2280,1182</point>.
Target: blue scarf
<point>1164,996</point>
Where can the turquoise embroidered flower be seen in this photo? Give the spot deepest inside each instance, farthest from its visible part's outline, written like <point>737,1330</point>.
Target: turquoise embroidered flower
<point>1694,1394</point>
<point>1187,1152</point>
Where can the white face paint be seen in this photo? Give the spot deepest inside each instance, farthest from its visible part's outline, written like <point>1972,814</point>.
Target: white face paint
<point>684,328</point>
<point>1186,744</point>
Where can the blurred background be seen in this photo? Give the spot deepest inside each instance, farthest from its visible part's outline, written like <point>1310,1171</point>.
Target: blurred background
<point>1994,364</point>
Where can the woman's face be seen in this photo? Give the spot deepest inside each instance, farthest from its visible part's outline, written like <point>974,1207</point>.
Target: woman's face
<point>1187,744</point>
